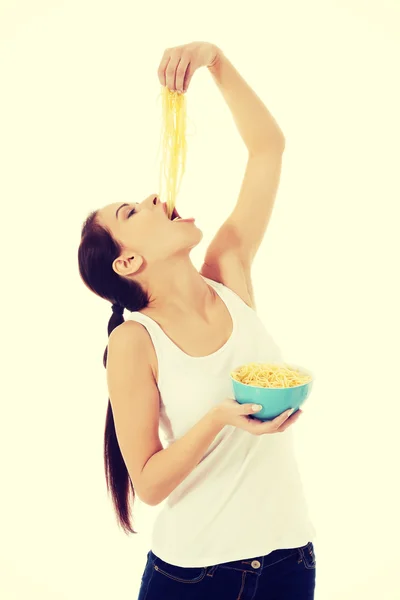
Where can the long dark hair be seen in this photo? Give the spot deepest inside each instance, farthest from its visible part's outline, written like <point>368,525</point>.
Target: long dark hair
<point>96,254</point>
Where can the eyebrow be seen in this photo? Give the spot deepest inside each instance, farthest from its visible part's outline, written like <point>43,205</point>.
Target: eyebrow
<point>122,206</point>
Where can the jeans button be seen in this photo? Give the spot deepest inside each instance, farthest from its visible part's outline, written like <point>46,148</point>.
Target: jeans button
<point>256,564</point>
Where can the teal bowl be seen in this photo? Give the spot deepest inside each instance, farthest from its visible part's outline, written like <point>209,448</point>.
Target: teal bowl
<point>274,401</point>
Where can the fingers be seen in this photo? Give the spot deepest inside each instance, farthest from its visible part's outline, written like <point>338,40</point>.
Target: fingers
<point>281,418</point>
<point>279,424</point>
<point>172,71</point>
<point>188,77</point>
<point>163,65</point>
<point>249,409</point>
<point>181,72</point>
<point>292,419</point>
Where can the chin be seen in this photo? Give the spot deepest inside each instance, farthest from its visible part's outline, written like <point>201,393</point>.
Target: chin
<point>198,235</point>
<point>194,240</point>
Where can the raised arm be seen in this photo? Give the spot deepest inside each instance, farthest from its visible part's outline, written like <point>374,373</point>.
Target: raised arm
<point>245,227</point>
<point>232,250</point>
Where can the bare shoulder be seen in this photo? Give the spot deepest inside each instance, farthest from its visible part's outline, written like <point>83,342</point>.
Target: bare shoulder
<point>129,332</point>
<point>132,336</point>
<point>229,270</point>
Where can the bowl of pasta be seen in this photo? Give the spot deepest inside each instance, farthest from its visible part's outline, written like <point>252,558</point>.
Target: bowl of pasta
<point>275,386</point>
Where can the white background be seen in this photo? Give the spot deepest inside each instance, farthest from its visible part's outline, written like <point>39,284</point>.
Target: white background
<point>79,128</point>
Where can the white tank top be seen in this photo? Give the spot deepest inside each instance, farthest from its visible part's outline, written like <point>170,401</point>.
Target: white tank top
<point>245,497</point>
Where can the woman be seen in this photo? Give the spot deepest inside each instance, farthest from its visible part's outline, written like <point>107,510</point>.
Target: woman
<point>235,524</point>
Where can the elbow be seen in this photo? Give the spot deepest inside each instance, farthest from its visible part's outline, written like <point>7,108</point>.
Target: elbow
<point>150,489</point>
<point>280,140</point>
<point>149,497</point>
<point>274,146</point>
<point>152,501</point>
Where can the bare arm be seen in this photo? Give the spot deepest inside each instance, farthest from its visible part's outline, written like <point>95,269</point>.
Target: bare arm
<point>166,469</point>
<point>256,125</point>
<point>233,249</point>
<point>155,472</point>
<point>240,236</point>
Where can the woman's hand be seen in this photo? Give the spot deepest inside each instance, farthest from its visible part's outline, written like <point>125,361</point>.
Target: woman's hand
<point>230,412</point>
<point>178,64</point>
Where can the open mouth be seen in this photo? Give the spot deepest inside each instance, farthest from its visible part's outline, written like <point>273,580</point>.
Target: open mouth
<point>175,215</point>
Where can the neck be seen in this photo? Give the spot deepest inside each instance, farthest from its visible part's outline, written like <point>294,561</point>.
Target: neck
<point>178,288</point>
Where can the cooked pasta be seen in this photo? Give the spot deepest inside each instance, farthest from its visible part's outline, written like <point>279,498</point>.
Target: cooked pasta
<point>173,141</point>
<point>269,375</point>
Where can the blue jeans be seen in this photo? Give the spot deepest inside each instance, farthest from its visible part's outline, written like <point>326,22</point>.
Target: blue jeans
<point>287,574</point>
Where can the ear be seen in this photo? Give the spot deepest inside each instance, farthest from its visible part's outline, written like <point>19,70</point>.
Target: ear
<point>127,265</point>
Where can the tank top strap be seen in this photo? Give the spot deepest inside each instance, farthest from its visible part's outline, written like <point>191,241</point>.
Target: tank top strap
<point>157,335</point>
<point>232,299</point>
<point>243,314</point>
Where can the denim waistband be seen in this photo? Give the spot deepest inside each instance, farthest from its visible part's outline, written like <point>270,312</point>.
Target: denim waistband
<point>258,563</point>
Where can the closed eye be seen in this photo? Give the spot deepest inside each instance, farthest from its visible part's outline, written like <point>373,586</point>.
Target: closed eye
<point>131,212</point>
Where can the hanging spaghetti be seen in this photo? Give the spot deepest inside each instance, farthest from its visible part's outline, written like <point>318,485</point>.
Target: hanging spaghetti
<point>174,148</point>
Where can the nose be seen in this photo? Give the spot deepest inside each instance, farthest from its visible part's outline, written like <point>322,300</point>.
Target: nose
<point>154,199</point>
